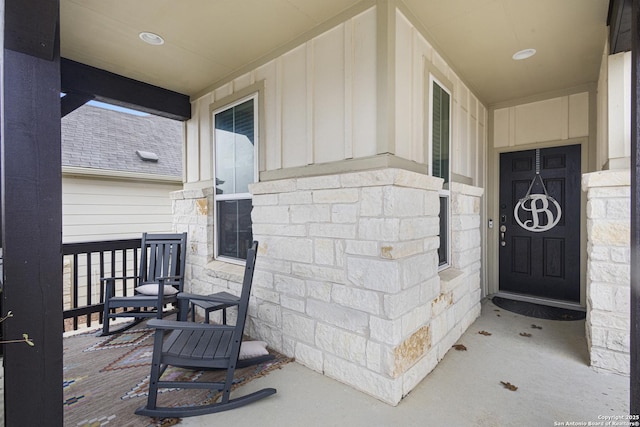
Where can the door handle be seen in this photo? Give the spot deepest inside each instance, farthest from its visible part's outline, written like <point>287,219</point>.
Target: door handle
<point>503,229</point>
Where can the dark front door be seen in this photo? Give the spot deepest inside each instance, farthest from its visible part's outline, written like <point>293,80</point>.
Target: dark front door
<point>539,224</point>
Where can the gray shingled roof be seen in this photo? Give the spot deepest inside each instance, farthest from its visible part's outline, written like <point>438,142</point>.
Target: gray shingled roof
<point>97,138</point>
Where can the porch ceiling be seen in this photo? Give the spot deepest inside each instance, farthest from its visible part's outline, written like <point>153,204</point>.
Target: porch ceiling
<point>207,40</point>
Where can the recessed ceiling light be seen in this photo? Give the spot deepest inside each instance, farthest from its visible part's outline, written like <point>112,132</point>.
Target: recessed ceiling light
<point>524,54</point>
<point>151,38</point>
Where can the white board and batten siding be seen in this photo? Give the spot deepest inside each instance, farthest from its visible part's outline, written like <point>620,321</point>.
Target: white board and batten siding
<point>320,103</point>
<point>96,209</point>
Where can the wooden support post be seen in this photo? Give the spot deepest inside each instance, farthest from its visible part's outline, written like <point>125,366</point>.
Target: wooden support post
<point>32,213</point>
<point>635,210</point>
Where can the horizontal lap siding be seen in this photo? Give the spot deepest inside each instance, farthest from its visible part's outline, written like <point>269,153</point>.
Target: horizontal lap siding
<point>99,209</point>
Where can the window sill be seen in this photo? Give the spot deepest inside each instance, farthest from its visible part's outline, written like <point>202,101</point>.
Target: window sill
<point>225,270</point>
<point>450,278</point>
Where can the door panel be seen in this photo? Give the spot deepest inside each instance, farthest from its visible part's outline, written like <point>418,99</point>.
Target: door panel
<point>538,258</point>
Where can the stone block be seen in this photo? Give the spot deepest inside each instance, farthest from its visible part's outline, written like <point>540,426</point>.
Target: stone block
<point>324,251</point>
<point>385,229</point>
<point>309,356</point>
<point>357,298</point>
<point>292,303</point>
<point>606,178</point>
<point>418,269</point>
<point>370,178</point>
<point>398,250</point>
<point>342,317</point>
<point>272,187</point>
<point>418,228</point>
<point>361,247</point>
<point>287,285</point>
<point>465,222</point>
<point>319,290</point>
<point>431,204</point>
<point>385,331</point>
<point>415,319</point>
<point>304,214</point>
<point>607,319</point>
<point>618,208</point>
<point>608,193</point>
<point>374,356</point>
<point>609,232</point>
<point>607,272</point>
<point>411,350</point>
<point>395,305</point>
<point>344,214</point>
<point>269,313</point>
<point>294,198</point>
<point>379,275</point>
<point>618,341</point>
<point>337,231</point>
<point>288,248</point>
<point>610,361</point>
<point>406,178</point>
<point>620,255</point>
<point>265,200</point>
<point>441,303</point>
<point>371,202</point>
<point>270,215</point>
<point>403,202</point>
<point>596,209</point>
<point>379,386</point>
<point>298,326</point>
<point>346,345</point>
<point>342,195</point>
<point>315,272</point>
<point>318,182</point>
<point>419,371</point>
<point>283,230</point>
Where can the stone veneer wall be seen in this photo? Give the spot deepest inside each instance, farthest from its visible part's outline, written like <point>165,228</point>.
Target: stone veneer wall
<point>347,279</point>
<point>608,269</point>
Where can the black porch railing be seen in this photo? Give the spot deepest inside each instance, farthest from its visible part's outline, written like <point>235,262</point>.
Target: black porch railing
<point>84,264</point>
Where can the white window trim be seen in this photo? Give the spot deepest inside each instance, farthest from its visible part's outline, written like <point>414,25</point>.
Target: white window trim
<point>236,196</point>
<point>444,192</point>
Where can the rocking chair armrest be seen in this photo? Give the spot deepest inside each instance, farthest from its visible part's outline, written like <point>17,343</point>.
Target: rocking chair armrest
<point>169,278</point>
<point>211,298</point>
<point>111,279</point>
<point>187,326</point>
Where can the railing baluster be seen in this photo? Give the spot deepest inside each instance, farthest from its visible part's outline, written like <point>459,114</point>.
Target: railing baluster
<point>89,286</point>
<point>101,249</point>
<point>74,281</point>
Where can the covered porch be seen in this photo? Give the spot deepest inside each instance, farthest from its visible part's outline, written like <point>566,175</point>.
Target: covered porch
<point>344,182</point>
<point>469,387</point>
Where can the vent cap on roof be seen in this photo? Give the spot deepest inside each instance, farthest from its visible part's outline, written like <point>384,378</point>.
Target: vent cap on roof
<point>147,156</point>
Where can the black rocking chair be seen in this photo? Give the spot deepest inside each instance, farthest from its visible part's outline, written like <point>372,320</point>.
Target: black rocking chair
<point>203,346</point>
<point>160,279</point>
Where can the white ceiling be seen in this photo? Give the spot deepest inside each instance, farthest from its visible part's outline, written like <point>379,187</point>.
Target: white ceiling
<point>207,40</point>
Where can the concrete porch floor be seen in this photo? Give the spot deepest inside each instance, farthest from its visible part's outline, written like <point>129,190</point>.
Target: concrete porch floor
<point>550,369</point>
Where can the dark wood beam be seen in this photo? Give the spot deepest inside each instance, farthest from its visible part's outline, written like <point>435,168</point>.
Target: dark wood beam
<point>29,28</point>
<point>81,79</point>
<point>32,231</point>
<point>635,211</point>
<point>71,102</point>
<point>619,22</point>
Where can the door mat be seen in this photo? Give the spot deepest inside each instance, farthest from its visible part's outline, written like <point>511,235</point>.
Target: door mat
<point>537,310</point>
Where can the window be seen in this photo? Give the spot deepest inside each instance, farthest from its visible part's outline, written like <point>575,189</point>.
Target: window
<point>440,125</point>
<point>235,137</point>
